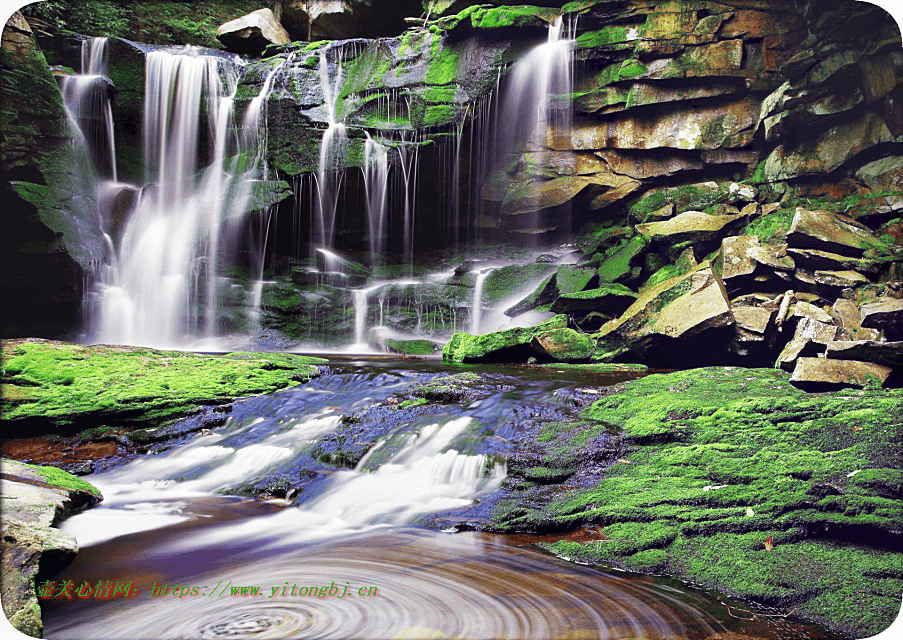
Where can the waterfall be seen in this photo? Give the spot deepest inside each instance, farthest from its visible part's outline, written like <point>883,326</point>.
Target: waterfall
<point>332,152</point>
<point>481,276</point>
<point>87,101</point>
<point>376,175</point>
<point>164,287</point>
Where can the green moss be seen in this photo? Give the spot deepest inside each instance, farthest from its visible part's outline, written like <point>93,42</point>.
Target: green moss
<point>436,95</point>
<point>772,227</point>
<point>722,458</point>
<point>443,63</point>
<point>606,36</point>
<point>631,69</point>
<point>665,273</point>
<point>61,478</point>
<point>511,16</point>
<point>437,115</point>
<point>618,264</point>
<point>70,384</point>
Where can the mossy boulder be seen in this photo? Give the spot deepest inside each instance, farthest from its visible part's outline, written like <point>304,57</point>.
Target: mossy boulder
<point>563,345</point>
<point>508,345</point>
<point>34,500</point>
<point>667,320</point>
<point>611,299</point>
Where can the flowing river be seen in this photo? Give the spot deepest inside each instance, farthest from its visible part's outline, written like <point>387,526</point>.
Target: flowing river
<point>338,554</point>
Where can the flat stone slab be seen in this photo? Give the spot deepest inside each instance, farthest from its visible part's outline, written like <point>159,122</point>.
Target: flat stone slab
<point>814,374</point>
<point>824,231</point>
<point>885,353</point>
<point>753,319</point>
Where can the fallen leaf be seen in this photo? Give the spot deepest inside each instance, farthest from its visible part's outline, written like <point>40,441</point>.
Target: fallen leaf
<point>769,543</point>
<point>857,428</point>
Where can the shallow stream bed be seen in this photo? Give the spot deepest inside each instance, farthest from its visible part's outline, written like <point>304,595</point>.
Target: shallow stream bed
<point>344,531</point>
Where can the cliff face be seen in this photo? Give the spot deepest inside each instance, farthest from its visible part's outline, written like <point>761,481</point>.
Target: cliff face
<point>52,238</point>
<point>671,107</point>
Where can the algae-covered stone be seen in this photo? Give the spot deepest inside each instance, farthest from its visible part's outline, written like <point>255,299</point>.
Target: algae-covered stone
<point>571,278</point>
<point>563,345</point>
<point>412,347</point>
<point>509,345</point>
<point>817,374</point>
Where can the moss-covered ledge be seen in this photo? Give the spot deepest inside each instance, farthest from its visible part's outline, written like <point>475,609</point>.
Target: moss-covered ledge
<point>735,480</point>
<point>57,387</point>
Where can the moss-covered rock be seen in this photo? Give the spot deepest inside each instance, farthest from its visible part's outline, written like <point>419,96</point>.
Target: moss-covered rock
<point>563,345</point>
<point>722,460</point>
<point>55,386</point>
<point>508,345</point>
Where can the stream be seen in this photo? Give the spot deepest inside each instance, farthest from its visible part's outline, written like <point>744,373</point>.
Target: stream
<point>369,549</point>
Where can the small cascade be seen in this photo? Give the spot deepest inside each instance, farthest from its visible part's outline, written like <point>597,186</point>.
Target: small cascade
<point>87,100</point>
<point>360,314</point>
<point>477,312</point>
<point>376,176</point>
<point>333,148</point>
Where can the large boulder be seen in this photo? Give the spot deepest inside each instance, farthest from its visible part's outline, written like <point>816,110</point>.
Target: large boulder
<point>313,20</point>
<point>825,231</point>
<point>563,345</point>
<point>818,374</point>
<point>253,32</point>
<point>885,315</point>
<point>664,325</point>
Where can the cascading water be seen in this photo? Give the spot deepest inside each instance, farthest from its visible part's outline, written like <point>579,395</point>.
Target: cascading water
<point>376,176</point>
<point>477,309</point>
<point>332,151</point>
<point>87,100</point>
<point>163,289</point>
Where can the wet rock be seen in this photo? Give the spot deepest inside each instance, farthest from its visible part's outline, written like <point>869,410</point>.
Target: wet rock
<point>813,259</point>
<point>886,316</point>
<point>823,373</point>
<point>571,279</point>
<point>889,354</point>
<point>563,345</point>
<point>510,345</point>
<point>252,32</point>
<point>846,315</point>
<point>817,332</point>
<point>543,294</point>
<point>622,263</point>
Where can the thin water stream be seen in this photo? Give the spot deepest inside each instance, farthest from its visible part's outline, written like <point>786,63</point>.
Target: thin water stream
<point>338,557</point>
